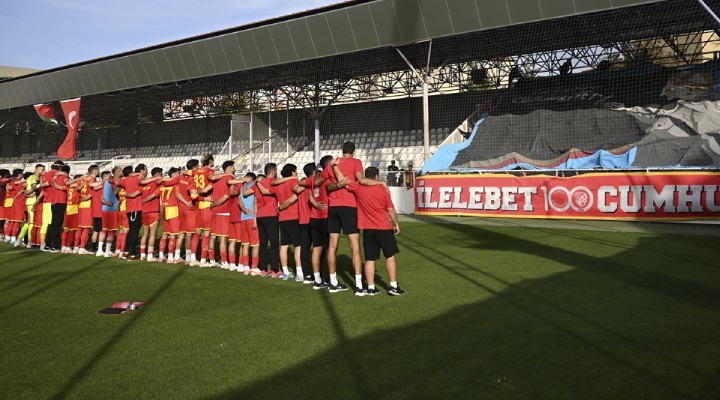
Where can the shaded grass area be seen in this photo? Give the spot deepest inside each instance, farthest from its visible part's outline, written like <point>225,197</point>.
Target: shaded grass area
<point>490,312</point>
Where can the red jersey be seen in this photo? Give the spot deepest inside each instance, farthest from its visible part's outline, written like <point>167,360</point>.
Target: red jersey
<point>373,203</point>
<point>73,200</point>
<point>15,187</point>
<point>202,179</point>
<point>283,192</point>
<point>320,195</point>
<point>85,190</point>
<point>304,206</point>
<point>220,189</point>
<point>186,185</point>
<point>168,196</point>
<point>235,212</point>
<point>97,195</point>
<point>267,205</point>
<point>11,189</point>
<point>132,184</point>
<point>152,206</point>
<point>50,191</point>
<point>123,201</point>
<point>58,196</point>
<point>348,166</point>
<point>3,185</point>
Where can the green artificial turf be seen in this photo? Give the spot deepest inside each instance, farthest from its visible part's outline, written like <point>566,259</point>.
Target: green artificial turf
<point>490,312</point>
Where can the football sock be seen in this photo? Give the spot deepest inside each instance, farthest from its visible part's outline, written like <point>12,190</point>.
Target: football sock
<point>393,284</point>
<point>371,287</point>
<point>205,244</point>
<point>318,279</point>
<point>23,232</point>
<point>194,243</point>
<point>286,271</point>
<point>333,279</point>
<point>163,245</point>
<point>171,248</point>
<point>84,238</point>
<point>15,230</point>
<point>298,271</point>
<point>358,281</point>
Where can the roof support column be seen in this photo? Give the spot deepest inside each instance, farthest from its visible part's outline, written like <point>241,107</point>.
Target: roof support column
<point>425,78</point>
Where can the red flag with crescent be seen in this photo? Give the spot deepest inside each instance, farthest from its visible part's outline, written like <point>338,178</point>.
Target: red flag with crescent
<point>71,109</point>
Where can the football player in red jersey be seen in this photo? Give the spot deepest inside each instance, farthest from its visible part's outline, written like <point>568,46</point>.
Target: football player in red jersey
<point>85,209</point>
<point>4,179</point>
<point>171,224</point>
<point>289,220</point>
<point>187,194</point>
<point>267,222</point>
<point>375,212</point>
<point>150,213</point>
<point>203,216</point>
<point>220,223</point>
<point>70,223</point>
<point>14,196</point>
<point>342,214</point>
<point>133,209</point>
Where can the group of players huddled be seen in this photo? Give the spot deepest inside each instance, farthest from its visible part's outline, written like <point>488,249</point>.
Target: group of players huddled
<point>211,212</point>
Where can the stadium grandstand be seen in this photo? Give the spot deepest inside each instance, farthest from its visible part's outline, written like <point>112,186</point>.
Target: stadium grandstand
<point>620,84</point>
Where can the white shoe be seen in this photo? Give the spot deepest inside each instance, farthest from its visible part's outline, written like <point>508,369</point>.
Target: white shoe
<point>108,255</point>
<point>205,264</point>
<point>150,258</point>
<point>17,243</point>
<point>83,251</point>
<point>76,250</point>
<point>255,272</point>
<point>212,263</point>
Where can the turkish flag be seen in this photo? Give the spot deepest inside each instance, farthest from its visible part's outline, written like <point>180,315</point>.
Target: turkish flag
<point>71,109</point>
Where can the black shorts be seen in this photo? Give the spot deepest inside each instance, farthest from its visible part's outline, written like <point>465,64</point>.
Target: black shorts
<point>290,233</point>
<point>319,232</point>
<point>97,224</point>
<point>342,218</point>
<point>374,240</point>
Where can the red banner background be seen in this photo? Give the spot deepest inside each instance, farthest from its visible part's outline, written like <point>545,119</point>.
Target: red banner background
<point>630,195</point>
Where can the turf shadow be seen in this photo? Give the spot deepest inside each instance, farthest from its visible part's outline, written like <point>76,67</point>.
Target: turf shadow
<point>693,292</point>
<point>516,344</point>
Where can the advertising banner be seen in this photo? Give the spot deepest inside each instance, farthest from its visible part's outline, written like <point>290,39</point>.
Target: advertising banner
<point>626,196</point>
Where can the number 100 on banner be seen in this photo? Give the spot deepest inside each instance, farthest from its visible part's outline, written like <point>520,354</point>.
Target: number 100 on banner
<point>631,195</point>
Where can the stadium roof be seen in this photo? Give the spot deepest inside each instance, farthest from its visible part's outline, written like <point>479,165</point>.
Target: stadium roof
<point>352,27</point>
<point>14,72</point>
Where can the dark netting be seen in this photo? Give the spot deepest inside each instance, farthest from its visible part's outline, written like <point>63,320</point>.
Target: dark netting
<point>638,81</point>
